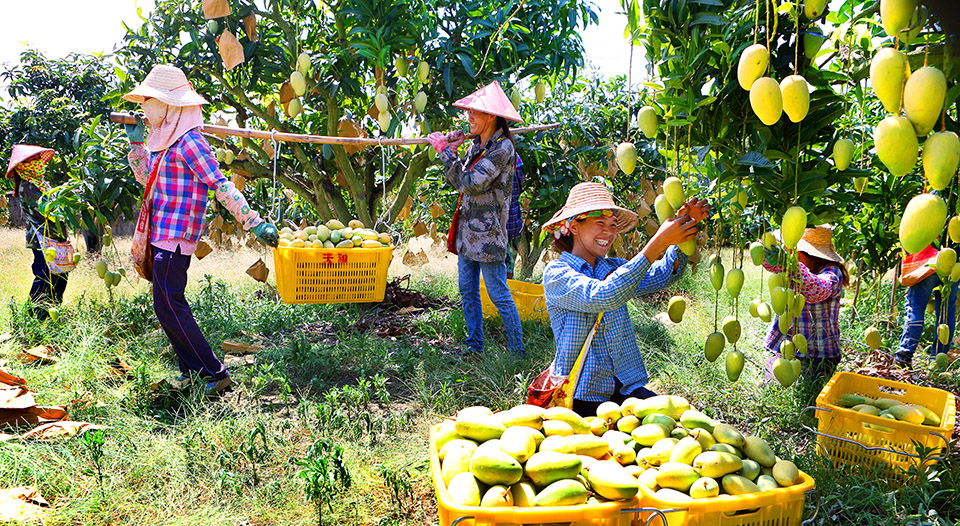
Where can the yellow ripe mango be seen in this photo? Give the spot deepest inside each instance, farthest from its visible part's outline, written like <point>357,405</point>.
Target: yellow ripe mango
<point>814,9</point>
<point>895,15</point>
<point>294,108</point>
<point>647,120</point>
<point>673,191</point>
<point>923,97</point>
<point>796,97</point>
<point>941,155</point>
<point>896,144</point>
<point>842,154</point>
<point>753,63</point>
<point>766,100</point>
<point>792,225</point>
<point>627,157</point>
<point>888,71</point>
<point>953,229</point>
<point>922,222</point>
<point>299,83</point>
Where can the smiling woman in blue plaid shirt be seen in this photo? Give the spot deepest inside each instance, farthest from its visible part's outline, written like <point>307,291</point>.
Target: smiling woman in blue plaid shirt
<point>583,282</point>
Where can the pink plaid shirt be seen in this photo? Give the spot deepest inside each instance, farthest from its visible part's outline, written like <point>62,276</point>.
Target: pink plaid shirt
<point>187,173</point>
<point>820,320</point>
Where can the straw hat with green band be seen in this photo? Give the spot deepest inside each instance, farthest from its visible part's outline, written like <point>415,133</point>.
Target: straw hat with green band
<point>817,242</point>
<point>587,198</point>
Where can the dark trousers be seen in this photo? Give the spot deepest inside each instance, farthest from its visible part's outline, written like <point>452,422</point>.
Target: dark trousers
<point>587,409</point>
<point>169,282</point>
<point>47,288</point>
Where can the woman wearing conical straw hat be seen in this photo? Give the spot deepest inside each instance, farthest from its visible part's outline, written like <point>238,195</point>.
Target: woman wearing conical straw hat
<point>27,167</point>
<point>478,234</point>
<point>178,168</point>
<point>583,283</point>
<point>822,275</point>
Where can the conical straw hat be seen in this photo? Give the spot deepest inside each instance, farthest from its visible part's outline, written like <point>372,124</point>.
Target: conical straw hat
<point>24,152</point>
<point>168,85</point>
<point>490,99</point>
<point>588,197</point>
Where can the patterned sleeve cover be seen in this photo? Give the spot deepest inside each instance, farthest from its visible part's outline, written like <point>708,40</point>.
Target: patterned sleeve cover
<point>815,287</point>
<point>139,159</point>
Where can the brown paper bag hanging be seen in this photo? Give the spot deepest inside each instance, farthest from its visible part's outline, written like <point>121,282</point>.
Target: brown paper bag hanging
<point>216,8</point>
<point>230,50</point>
<point>259,271</point>
<point>250,26</point>
<point>348,128</point>
<point>436,210</point>
<point>415,259</point>
<point>286,93</point>
<point>203,250</point>
<point>239,182</point>
<point>419,229</point>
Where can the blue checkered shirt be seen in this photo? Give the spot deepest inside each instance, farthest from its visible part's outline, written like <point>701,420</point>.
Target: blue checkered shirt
<point>576,293</point>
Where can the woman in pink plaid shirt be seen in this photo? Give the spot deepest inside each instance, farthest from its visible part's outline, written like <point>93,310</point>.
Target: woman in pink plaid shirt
<point>185,170</point>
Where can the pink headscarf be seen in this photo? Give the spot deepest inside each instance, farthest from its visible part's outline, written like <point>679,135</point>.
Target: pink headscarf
<point>178,121</point>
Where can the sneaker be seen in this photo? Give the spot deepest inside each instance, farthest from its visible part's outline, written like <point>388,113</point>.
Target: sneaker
<point>465,350</point>
<point>180,383</point>
<point>215,387</point>
<point>902,363</point>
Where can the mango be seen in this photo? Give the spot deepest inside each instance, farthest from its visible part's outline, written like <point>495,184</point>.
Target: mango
<point>716,276</point>
<point>783,372</point>
<point>704,437</point>
<point>766,100</point>
<point>799,302</point>
<point>456,461</point>
<point>420,101</point>
<point>298,83</point>
<point>786,473</point>
<point>423,71</point>
<point>648,478</point>
<point>923,97</point>
<point>792,225</point>
<point>523,494</point>
<point>727,434</point>
<point>647,121</point>
<point>756,253</point>
<point>922,222</point>
<point>684,452</point>
<point>627,157</point>
<point>941,156</point>
<point>842,154</point>
<point>670,405</point>
<point>736,485</point>
<point>334,224</point>
<point>734,282</point>
<point>624,455</point>
<point>929,417</point>
<point>867,409</point>
<point>814,9</point>
<point>294,107</point>
<point>753,63</point>
<point>895,15</point>
<point>660,451</point>
<point>953,229</point>
<point>673,191</point>
<point>812,43</point>
<point>557,443</point>
<point>626,407</point>
<point>627,424</point>
<point>101,268</point>
<point>733,365</point>
<point>750,469</point>
<point>787,349</point>
<point>384,120</point>
<point>565,492</point>
<point>479,427</point>
<point>872,337</point>
<point>546,467</point>
<point>688,247</point>
<point>579,425</point>
<point>598,426</point>
<point>758,450</point>
<point>704,488</point>
<point>589,445</point>
<point>518,442</point>
<point>886,403</point>
<point>764,312</point>
<point>557,428</point>
<point>491,465</point>
<point>896,143</point>
<point>726,448</point>
<point>765,482</point>
<point>381,102</point>
<point>785,322</point>
<point>611,481</point>
<point>464,490</point>
<point>795,93</point>
<point>905,413</point>
<point>659,418</point>
<point>661,205</point>
<point>716,464</point>
<point>303,63</point>
<point>693,419</point>
<point>943,333</point>
<point>731,329</point>
<point>609,411</point>
<point>524,415</point>
<point>676,308</point>
<point>540,91</point>
<point>676,475</point>
<point>679,433</point>
<point>946,259</point>
<point>615,439</point>
<point>456,443</point>
<point>888,72</point>
<point>497,496</point>
<point>672,495</point>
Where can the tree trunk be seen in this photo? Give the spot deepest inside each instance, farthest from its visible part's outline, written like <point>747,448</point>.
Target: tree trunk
<point>856,292</point>
<point>893,296</point>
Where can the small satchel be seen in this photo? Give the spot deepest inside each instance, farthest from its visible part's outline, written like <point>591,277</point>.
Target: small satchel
<point>63,262</point>
<point>914,268</point>
<point>141,250</point>
<point>555,390</point>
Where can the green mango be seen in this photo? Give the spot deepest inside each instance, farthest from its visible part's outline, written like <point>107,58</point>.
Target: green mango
<point>733,365</point>
<point>737,485</point>
<point>566,492</point>
<point>758,450</point>
<point>547,467</point>
<point>693,419</point>
<point>676,475</point>
<point>716,275</point>
<point>731,329</point>
<point>716,464</point>
<point>609,480</point>
<point>714,346</point>
<point>704,488</point>
<point>464,490</point>
<point>727,434</point>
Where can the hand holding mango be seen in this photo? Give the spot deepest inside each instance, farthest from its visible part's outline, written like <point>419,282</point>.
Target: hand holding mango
<point>697,209</point>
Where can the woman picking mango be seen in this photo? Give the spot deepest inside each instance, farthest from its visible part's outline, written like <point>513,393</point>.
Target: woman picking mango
<point>178,169</point>
<point>485,183</point>
<point>583,283</point>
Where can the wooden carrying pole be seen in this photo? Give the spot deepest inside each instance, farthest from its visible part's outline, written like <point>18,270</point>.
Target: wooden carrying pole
<point>210,129</point>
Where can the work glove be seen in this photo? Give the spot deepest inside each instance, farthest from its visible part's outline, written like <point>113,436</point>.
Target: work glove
<point>135,132</point>
<point>455,139</point>
<point>773,256</point>
<point>266,233</point>
<point>438,141</point>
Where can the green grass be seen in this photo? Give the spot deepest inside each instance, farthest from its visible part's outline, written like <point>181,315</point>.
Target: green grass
<point>170,458</point>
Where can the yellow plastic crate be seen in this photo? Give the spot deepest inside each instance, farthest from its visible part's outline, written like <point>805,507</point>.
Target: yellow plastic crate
<point>774,507</point>
<point>331,275</point>
<point>619,513</point>
<point>529,297</point>
<point>841,433</point>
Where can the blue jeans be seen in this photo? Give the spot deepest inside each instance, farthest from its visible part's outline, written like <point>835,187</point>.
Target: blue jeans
<point>917,298</point>
<point>495,279</point>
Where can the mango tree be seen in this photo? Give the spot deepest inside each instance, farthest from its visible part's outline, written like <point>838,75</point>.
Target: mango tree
<point>317,68</point>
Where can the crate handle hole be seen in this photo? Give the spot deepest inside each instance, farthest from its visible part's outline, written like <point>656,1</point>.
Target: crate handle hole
<point>896,391</point>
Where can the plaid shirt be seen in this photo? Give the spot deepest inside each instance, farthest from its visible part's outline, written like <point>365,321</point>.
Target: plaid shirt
<point>820,320</point>
<point>515,220</point>
<point>576,293</point>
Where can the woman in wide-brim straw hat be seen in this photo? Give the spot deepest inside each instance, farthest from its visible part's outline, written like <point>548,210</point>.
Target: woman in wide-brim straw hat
<point>179,159</point>
<point>479,232</point>
<point>822,276</point>
<point>27,167</point>
<point>582,283</point>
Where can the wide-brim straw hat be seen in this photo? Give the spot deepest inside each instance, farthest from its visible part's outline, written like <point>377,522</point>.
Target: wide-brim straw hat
<point>490,99</point>
<point>588,197</point>
<point>24,152</point>
<point>817,242</point>
<point>167,84</point>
